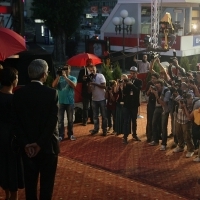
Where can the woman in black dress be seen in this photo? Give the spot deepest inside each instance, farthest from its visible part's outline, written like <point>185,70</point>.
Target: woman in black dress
<point>11,173</point>
<point>120,104</point>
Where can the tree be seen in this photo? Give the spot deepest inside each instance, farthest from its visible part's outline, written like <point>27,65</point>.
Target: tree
<point>107,73</point>
<point>194,61</point>
<point>117,72</point>
<point>62,19</point>
<point>184,63</point>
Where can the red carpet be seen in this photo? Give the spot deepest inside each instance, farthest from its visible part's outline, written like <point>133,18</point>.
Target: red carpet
<point>97,167</point>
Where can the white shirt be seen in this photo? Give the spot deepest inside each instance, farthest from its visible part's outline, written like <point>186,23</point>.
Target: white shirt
<point>143,67</point>
<point>98,94</point>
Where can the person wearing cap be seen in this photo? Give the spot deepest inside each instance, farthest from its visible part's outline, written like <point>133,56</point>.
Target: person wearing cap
<point>131,103</point>
<point>86,96</point>
<point>143,65</point>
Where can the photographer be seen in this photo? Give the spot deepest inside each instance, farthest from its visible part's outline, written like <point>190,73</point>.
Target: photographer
<point>111,97</point>
<point>131,93</point>
<point>84,78</point>
<point>176,72</point>
<point>97,86</point>
<point>150,105</point>
<point>120,104</point>
<point>185,90</point>
<point>193,87</point>
<point>183,128</point>
<point>65,84</point>
<point>173,104</point>
<point>162,110</point>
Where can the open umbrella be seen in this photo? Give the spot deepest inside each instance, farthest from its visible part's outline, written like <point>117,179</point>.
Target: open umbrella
<point>10,43</point>
<point>79,60</point>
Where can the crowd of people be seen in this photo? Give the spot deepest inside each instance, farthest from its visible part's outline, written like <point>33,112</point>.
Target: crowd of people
<point>171,93</point>
<point>32,119</point>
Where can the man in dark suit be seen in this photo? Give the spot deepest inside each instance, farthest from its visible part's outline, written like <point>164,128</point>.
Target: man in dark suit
<point>86,96</point>
<point>131,104</point>
<point>35,109</point>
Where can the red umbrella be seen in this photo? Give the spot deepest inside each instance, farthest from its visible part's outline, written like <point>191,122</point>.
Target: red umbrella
<point>79,60</point>
<point>10,43</point>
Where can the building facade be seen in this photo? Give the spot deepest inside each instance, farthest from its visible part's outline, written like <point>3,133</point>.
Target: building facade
<point>97,11</point>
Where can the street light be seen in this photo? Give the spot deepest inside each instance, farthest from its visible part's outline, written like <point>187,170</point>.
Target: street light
<point>126,23</point>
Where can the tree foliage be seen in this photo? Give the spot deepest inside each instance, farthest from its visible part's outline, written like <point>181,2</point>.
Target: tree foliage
<point>59,15</point>
<point>117,72</point>
<point>106,72</point>
<point>194,63</point>
<point>184,63</point>
<point>62,17</point>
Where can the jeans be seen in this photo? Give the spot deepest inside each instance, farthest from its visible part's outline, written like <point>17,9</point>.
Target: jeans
<point>87,107</point>
<point>69,108</point>
<point>130,115</point>
<point>96,105</point>
<point>111,115</point>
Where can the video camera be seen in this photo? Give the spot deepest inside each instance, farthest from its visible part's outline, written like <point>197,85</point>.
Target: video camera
<point>89,77</point>
<point>153,88</point>
<point>154,55</point>
<point>60,69</point>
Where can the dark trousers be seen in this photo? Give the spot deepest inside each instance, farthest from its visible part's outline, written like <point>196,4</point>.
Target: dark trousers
<point>87,109</point>
<point>130,117</point>
<point>111,115</point>
<point>150,111</point>
<point>156,124</point>
<point>44,165</point>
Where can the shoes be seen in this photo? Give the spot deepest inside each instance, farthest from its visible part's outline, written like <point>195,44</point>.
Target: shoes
<point>85,124</point>
<point>136,138</point>
<point>178,149</point>
<point>109,129</point>
<point>197,159</point>
<point>60,139</point>
<point>93,132</point>
<point>125,141</point>
<point>114,133</point>
<point>153,143</point>
<point>162,148</point>
<point>189,154</point>
<point>72,137</point>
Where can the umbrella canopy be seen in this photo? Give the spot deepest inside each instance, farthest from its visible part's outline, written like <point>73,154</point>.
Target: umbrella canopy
<point>79,60</point>
<point>10,43</point>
